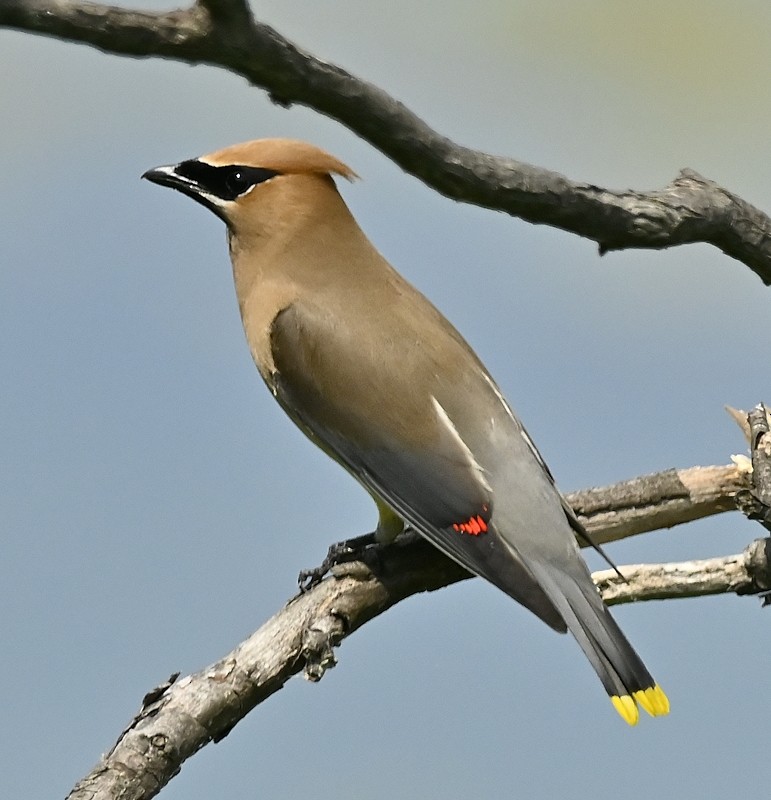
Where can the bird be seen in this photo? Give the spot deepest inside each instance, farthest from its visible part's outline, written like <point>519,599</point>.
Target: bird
<point>385,385</point>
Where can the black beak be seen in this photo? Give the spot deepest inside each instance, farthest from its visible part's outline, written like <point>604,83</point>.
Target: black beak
<point>170,176</point>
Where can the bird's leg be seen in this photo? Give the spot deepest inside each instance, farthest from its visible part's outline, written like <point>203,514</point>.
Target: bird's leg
<point>338,553</point>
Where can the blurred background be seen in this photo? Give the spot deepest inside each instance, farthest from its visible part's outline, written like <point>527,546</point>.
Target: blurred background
<point>156,505</point>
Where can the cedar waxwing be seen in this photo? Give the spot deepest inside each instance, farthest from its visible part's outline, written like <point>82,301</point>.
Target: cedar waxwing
<point>384,384</point>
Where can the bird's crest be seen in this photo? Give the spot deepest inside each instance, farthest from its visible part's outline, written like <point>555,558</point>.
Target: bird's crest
<point>285,156</point>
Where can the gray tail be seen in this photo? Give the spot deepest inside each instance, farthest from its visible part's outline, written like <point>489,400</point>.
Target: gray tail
<point>625,678</point>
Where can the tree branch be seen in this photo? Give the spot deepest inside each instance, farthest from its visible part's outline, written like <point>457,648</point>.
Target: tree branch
<point>182,716</point>
<point>748,572</point>
<point>658,501</point>
<point>222,33</point>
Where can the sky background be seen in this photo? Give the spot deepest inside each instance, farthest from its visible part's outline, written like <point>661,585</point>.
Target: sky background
<point>156,506</point>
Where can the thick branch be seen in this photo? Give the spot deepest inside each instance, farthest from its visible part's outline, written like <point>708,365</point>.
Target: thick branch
<point>181,717</point>
<point>658,501</point>
<point>222,33</point>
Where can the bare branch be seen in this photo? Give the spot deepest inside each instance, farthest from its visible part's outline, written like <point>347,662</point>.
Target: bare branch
<point>182,716</point>
<point>658,501</point>
<point>748,572</point>
<point>222,33</point>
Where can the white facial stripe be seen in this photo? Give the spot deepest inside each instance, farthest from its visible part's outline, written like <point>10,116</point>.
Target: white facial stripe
<point>214,200</point>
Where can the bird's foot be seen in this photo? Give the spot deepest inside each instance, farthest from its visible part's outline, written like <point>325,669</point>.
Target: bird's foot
<point>339,553</point>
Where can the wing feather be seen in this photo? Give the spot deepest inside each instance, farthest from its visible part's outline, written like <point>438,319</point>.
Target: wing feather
<point>424,471</point>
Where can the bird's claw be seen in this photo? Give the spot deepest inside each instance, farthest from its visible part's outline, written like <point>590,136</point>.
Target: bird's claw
<point>338,553</point>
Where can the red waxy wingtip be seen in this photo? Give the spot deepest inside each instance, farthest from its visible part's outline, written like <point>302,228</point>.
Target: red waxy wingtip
<point>472,526</point>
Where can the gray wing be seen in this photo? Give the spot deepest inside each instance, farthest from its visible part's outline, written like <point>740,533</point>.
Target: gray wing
<point>364,409</point>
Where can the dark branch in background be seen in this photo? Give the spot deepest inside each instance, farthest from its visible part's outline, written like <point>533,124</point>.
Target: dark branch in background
<point>223,33</point>
<point>182,716</point>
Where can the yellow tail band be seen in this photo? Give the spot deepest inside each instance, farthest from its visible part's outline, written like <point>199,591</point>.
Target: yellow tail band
<point>652,699</point>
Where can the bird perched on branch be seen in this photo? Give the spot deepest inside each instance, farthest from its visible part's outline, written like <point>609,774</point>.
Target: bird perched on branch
<point>384,384</point>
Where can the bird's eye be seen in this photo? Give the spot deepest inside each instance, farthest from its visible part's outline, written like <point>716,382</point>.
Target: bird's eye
<point>237,182</point>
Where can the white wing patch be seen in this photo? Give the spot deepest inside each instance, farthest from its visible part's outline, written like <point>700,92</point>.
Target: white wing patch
<point>449,427</point>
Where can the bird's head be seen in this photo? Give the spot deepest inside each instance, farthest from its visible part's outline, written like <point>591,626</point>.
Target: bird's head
<point>256,186</point>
